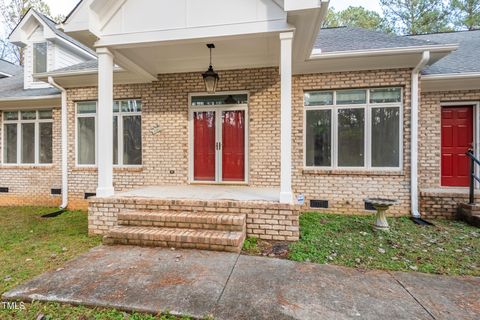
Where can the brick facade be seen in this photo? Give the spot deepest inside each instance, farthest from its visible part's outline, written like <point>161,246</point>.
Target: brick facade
<point>165,104</point>
<point>345,190</point>
<point>165,154</point>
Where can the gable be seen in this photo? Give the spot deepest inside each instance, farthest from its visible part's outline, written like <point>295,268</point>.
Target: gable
<point>146,15</point>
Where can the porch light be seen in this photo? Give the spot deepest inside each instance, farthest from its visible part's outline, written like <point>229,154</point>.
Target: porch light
<point>210,77</point>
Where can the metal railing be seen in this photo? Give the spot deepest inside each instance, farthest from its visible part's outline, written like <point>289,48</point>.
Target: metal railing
<point>473,161</point>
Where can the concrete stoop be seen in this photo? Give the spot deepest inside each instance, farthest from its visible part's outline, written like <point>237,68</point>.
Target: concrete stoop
<point>189,230</point>
<point>469,213</point>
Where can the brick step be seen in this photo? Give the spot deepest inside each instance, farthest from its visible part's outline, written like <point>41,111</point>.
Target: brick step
<point>183,220</point>
<point>231,241</point>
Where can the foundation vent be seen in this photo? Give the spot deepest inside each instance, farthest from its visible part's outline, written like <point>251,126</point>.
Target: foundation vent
<point>369,207</point>
<point>89,195</point>
<point>318,203</point>
<point>3,190</point>
<point>56,191</point>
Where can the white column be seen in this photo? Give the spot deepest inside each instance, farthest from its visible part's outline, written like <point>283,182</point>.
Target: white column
<point>105,123</point>
<point>286,40</point>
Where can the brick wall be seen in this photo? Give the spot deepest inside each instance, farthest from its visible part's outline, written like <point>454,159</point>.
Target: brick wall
<point>165,104</point>
<point>29,184</point>
<point>345,190</point>
<point>165,154</point>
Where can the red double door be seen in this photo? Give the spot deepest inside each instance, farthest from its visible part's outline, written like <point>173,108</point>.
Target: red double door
<point>457,138</point>
<point>219,146</point>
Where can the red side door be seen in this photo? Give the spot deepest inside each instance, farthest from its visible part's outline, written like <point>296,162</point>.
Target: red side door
<point>233,145</point>
<point>204,146</point>
<point>457,138</point>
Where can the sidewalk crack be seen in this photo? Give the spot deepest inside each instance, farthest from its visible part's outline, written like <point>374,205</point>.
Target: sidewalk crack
<point>226,282</point>
<point>411,294</point>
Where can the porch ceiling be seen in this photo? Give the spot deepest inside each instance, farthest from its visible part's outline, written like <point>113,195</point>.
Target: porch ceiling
<point>239,52</point>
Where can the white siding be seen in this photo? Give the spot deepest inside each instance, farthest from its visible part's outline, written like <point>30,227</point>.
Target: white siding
<point>65,58</point>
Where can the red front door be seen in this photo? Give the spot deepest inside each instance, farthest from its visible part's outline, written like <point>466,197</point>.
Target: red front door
<point>233,145</point>
<point>204,148</point>
<point>219,145</point>
<point>457,138</point>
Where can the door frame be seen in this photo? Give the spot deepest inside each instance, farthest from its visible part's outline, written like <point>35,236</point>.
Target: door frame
<point>476,133</point>
<point>218,137</point>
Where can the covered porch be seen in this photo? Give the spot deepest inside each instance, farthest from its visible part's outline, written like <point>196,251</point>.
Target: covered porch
<point>204,192</point>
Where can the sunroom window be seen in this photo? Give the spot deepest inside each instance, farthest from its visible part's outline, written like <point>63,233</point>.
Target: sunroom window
<point>127,133</point>
<point>353,129</point>
<point>28,137</point>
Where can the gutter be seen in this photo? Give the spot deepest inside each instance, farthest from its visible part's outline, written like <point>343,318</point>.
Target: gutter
<point>317,54</point>
<point>32,98</point>
<point>451,76</point>
<point>414,133</point>
<point>64,144</point>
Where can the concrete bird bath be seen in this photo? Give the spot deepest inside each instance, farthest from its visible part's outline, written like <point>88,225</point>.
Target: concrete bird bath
<point>381,205</point>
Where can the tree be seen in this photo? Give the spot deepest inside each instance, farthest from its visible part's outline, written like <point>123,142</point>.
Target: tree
<point>12,12</point>
<point>416,16</point>
<point>356,17</point>
<point>466,13</point>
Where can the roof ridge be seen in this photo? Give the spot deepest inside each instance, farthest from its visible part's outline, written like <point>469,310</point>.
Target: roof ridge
<point>441,32</point>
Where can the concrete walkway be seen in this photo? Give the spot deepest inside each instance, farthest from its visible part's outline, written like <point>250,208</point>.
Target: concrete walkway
<point>231,286</point>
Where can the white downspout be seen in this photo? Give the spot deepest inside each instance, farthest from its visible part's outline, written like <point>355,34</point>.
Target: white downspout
<point>64,143</point>
<point>414,133</point>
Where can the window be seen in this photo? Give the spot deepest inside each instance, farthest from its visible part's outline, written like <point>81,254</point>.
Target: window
<point>40,57</point>
<point>28,137</point>
<point>127,132</point>
<point>359,129</point>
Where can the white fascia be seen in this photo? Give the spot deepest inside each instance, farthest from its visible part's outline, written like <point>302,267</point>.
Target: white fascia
<point>318,55</point>
<point>32,98</point>
<point>451,76</point>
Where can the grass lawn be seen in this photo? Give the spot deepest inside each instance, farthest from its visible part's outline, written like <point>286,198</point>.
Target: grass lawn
<point>450,248</point>
<point>31,245</point>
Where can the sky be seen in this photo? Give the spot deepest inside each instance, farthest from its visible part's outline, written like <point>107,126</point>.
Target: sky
<point>65,6</point>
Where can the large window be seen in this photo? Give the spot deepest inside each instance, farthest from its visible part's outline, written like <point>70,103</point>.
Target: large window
<point>27,137</point>
<point>40,57</point>
<point>353,128</point>
<point>127,133</point>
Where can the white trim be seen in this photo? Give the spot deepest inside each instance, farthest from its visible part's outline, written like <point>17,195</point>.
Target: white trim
<point>30,98</point>
<point>450,76</point>
<point>368,108</point>
<point>218,109</point>
<point>5,74</point>
<point>318,54</point>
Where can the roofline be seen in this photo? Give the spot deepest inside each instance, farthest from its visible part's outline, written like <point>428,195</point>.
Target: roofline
<point>450,76</point>
<point>30,98</point>
<point>381,52</point>
<point>440,32</point>
<point>72,11</point>
<point>5,74</point>
<point>72,73</point>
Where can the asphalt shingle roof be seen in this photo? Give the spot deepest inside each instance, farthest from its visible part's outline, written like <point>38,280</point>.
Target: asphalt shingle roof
<point>53,25</point>
<point>12,87</point>
<point>87,65</point>
<point>349,38</point>
<point>464,60</point>
<point>9,68</point>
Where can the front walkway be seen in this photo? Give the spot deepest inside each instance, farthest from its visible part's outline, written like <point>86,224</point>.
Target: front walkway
<point>232,286</point>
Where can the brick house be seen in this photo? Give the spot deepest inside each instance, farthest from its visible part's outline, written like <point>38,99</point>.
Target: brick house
<point>334,115</point>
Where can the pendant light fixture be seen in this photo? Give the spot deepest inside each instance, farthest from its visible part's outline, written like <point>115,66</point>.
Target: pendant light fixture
<point>210,77</point>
